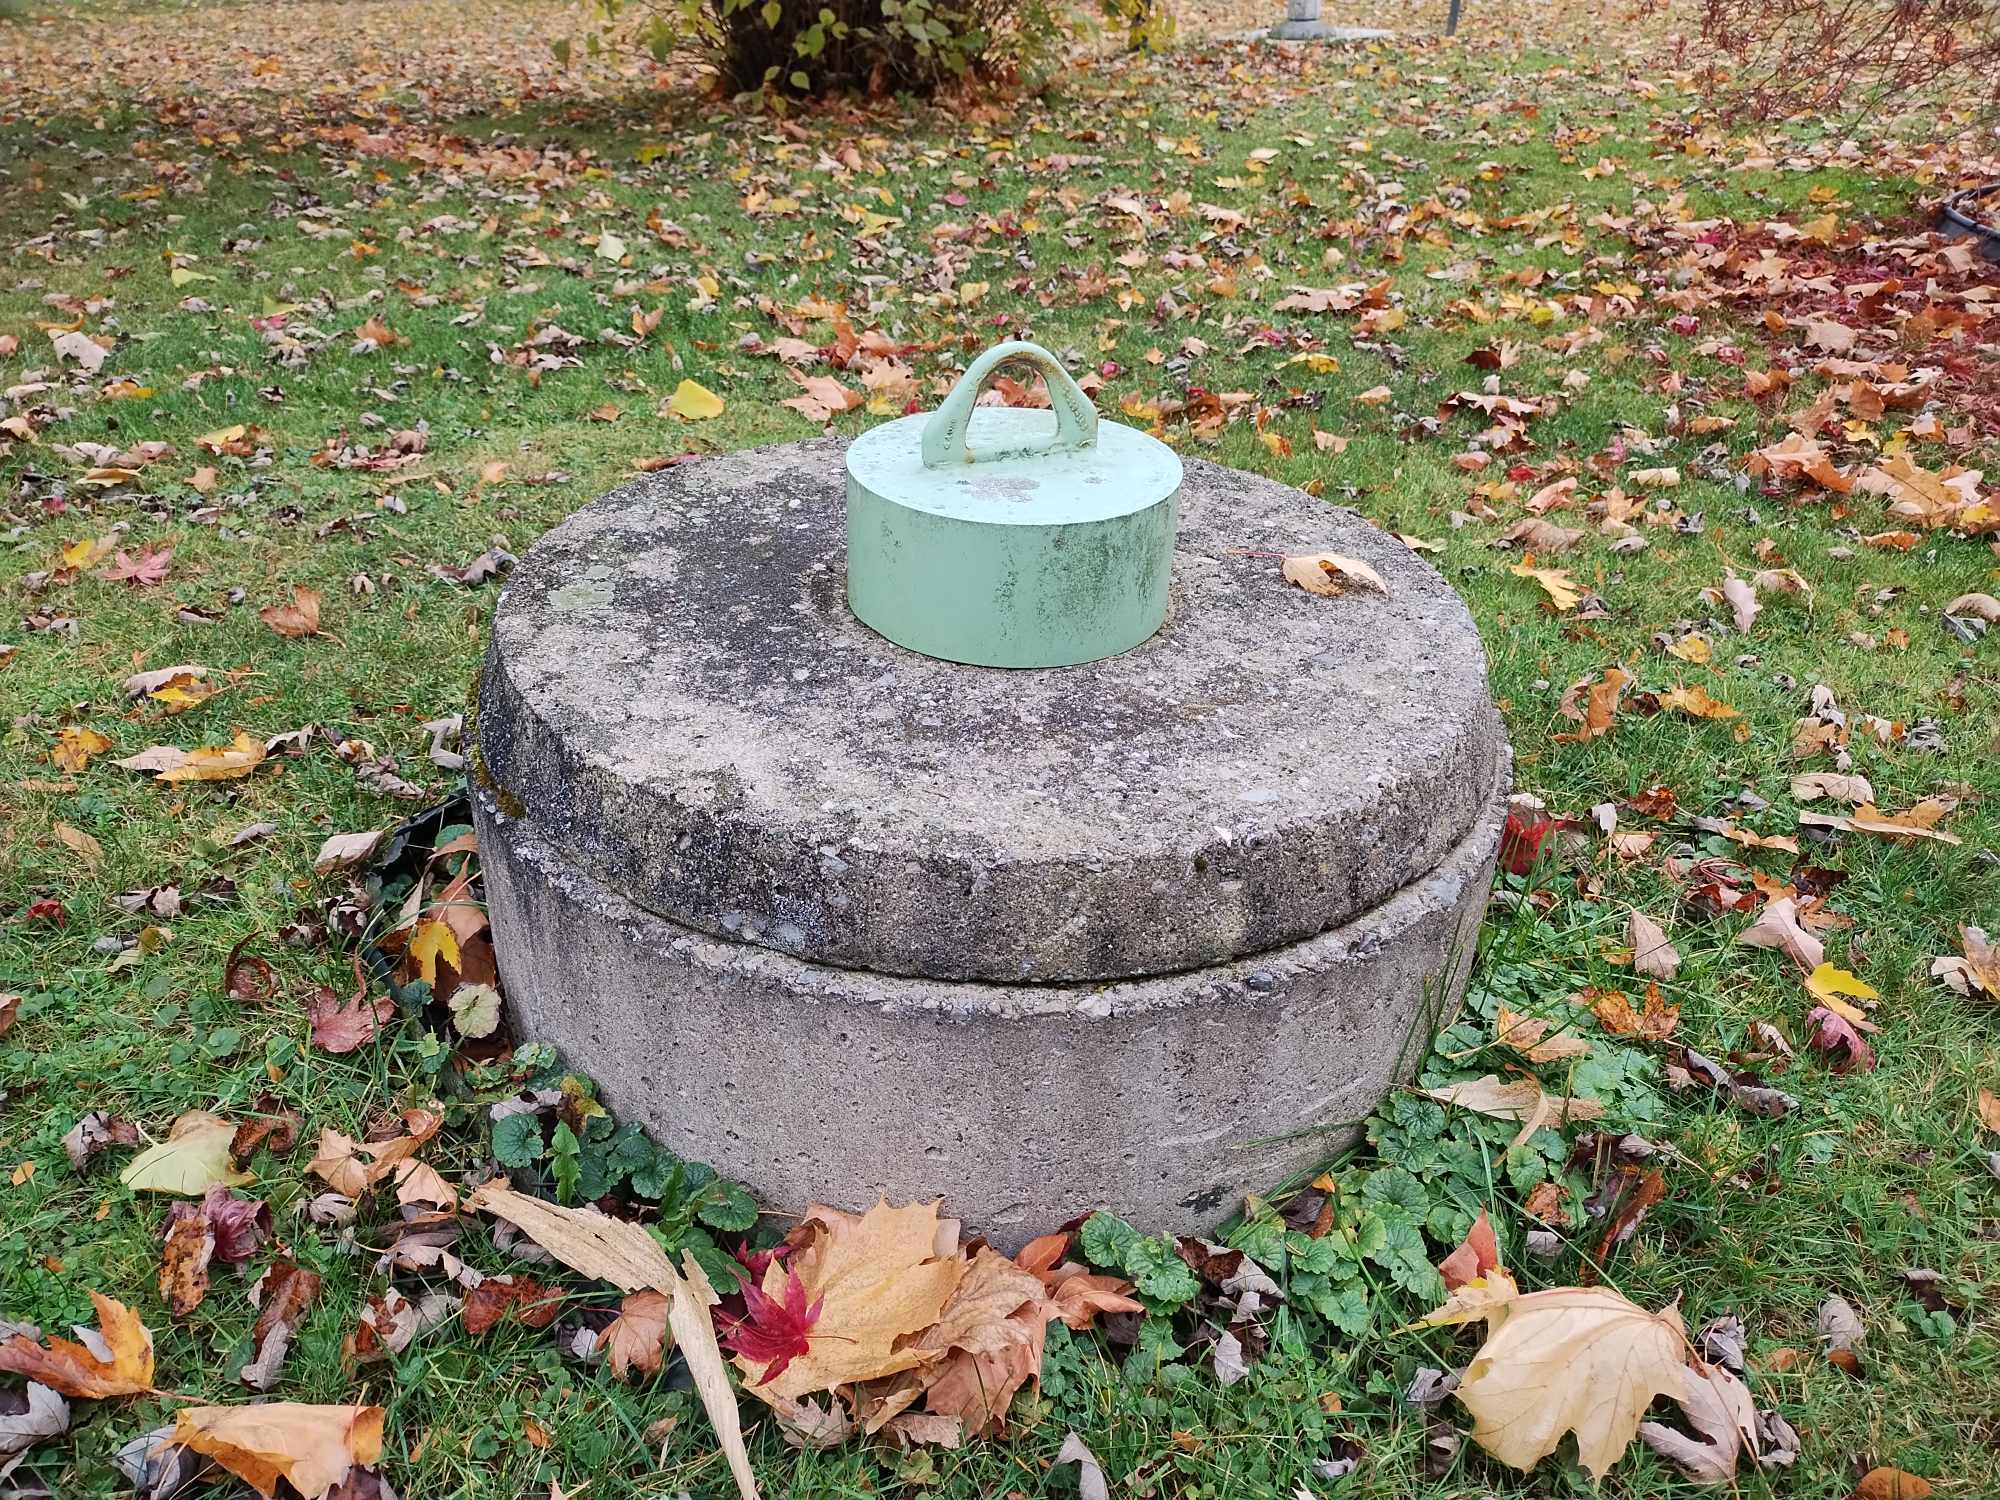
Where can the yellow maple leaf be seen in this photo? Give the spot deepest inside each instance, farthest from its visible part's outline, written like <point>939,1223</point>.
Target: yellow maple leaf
<point>88,552</point>
<point>879,1279</point>
<point>75,746</point>
<point>1827,982</point>
<point>1695,702</point>
<point>239,757</point>
<point>1556,583</point>
<point>694,402</point>
<point>433,939</point>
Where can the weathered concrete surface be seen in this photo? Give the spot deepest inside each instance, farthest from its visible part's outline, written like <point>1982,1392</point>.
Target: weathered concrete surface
<point>1163,1099</point>
<point>679,702</point>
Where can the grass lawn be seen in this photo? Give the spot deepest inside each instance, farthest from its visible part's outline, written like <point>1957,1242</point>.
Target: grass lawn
<point>396,290</point>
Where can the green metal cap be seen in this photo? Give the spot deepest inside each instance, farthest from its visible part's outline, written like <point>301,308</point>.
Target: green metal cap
<point>991,535</point>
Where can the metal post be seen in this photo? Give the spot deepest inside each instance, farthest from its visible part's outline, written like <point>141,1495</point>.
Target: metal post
<point>1451,21</point>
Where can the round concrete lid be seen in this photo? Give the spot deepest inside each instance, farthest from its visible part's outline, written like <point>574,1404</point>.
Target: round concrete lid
<point>677,697</point>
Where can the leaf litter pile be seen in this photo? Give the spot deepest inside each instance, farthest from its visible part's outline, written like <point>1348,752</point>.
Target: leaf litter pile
<point>309,328</point>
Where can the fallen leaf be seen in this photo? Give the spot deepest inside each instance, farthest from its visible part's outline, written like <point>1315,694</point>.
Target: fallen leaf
<point>353,1167</point>
<point>342,850</point>
<point>93,1133</point>
<point>1527,1035</point>
<point>1090,1481</point>
<point>75,746</point>
<point>80,349</point>
<point>1521,841</point>
<point>281,1298</point>
<point>495,1297</point>
<point>28,1417</point>
<point>693,402</point>
<point>1599,710</point>
<point>1476,1255</point>
<point>192,1159</point>
<point>174,688</point>
<point>1914,823</point>
<point>1718,1407</point>
<point>637,1338</point>
<point>1329,574</point>
<point>1977,972</point>
<point>1891,1484</point>
<point>773,1331</point>
<point>597,1245</point>
<point>1570,1360</point>
<point>1539,534</point>
<point>80,844</point>
<point>1834,1037</point>
<point>879,1279</point>
<point>1779,928</point>
<point>1655,1023</point>
<point>1652,955</point>
<point>1521,1100</point>
<point>208,763</point>
<point>1695,703</point>
<point>312,1448</point>
<point>75,1369</point>
<point>1981,606</point>
<point>1742,601</point>
<point>147,570</point>
<point>1827,984</point>
<point>300,617</point>
<point>184,1262</point>
<point>821,396</point>
<point>433,939</point>
<point>340,1027</point>
<point>692,1320</point>
<point>1563,593</point>
<point>991,1335</point>
<point>1813,785</point>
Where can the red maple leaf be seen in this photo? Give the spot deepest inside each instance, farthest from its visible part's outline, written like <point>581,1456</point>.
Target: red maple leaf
<point>1521,842</point>
<point>771,1332</point>
<point>145,570</point>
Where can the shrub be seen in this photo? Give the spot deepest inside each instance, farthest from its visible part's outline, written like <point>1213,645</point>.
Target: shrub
<point>1145,23</point>
<point>827,46</point>
<point>1779,59</point>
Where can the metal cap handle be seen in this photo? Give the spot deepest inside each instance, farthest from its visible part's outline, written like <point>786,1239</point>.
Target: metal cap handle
<point>945,442</point>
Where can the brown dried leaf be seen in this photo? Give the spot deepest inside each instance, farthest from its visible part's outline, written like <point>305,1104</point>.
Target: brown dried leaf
<point>312,1448</point>
<point>74,1369</point>
<point>1652,955</point>
<point>1478,1254</point>
<point>1527,1035</point>
<point>1329,574</point>
<point>637,1338</point>
<point>1654,1024</point>
<point>530,1302</point>
<point>1779,928</point>
<point>990,1336</point>
<point>300,617</point>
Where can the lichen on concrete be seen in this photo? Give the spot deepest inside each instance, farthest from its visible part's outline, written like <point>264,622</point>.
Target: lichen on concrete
<point>719,740</point>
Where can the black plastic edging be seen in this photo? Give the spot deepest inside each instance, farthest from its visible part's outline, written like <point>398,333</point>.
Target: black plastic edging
<point>1961,222</point>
